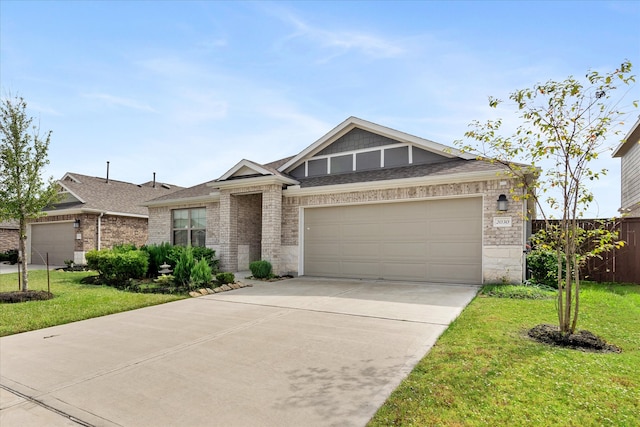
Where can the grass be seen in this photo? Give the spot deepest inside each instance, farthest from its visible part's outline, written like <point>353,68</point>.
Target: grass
<point>485,371</point>
<point>72,301</point>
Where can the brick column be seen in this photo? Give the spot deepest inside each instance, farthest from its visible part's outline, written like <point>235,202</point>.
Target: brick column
<point>228,232</point>
<point>272,226</point>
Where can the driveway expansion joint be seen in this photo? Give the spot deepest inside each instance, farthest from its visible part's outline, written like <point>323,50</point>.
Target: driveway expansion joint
<point>333,312</point>
<point>47,407</point>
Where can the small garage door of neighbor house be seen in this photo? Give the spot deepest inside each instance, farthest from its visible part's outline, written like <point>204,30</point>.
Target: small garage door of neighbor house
<point>57,239</point>
<point>432,241</point>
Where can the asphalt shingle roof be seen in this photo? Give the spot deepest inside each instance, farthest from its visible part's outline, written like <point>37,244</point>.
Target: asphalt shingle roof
<point>187,193</point>
<point>112,196</point>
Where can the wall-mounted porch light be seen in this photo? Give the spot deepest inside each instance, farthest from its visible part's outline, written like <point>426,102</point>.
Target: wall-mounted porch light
<point>503,203</point>
<point>76,223</point>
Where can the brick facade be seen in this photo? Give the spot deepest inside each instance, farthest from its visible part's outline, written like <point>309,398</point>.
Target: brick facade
<point>113,230</point>
<point>8,239</point>
<point>265,216</point>
<point>502,246</point>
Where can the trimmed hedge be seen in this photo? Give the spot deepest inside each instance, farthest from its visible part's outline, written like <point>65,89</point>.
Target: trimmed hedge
<point>118,266</point>
<point>261,269</point>
<point>225,278</point>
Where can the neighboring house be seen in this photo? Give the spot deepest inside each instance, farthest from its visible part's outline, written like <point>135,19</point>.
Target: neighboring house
<point>629,153</point>
<point>363,201</point>
<point>94,213</point>
<point>9,235</point>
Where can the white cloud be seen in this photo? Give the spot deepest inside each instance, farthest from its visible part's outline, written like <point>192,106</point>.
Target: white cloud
<point>117,101</point>
<point>339,42</point>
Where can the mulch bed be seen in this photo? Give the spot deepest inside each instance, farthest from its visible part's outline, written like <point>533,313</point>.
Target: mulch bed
<point>20,296</point>
<point>581,340</point>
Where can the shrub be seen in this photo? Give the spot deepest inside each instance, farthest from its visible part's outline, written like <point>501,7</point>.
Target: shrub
<point>200,273</point>
<point>225,278</point>
<point>124,247</point>
<point>184,265</point>
<point>543,267</point>
<point>11,255</point>
<point>201,252</point>
<point>118,267</point>
<point>261,269</point>
<point>165,279</point>
<point>158,255</point>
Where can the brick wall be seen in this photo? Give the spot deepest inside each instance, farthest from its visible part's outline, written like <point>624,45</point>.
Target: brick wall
<point>232,223</point>
<point>502,246</point>
<point>160,223</point>
<point>117,230</point>
<point>249,229</point>
<point>114,230</point>
<point>8,239</point>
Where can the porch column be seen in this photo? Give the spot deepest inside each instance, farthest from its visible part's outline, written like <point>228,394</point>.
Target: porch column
<point>272,225</point>
<point>228,232</point>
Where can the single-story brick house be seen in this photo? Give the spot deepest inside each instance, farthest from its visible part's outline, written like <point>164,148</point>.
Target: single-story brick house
<point>94,213</point>
<point>363,201</point>
<point>629,153</point>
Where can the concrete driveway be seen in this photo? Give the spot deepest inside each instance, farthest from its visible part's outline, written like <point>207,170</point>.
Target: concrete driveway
<point>305,351</point>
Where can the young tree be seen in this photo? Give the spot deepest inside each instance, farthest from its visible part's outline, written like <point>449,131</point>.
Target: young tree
<point>564,126</point>
<point>23,156</point>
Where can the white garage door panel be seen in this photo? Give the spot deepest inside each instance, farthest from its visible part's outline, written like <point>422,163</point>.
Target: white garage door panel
<point>438,240</point>
<point>57,239</point>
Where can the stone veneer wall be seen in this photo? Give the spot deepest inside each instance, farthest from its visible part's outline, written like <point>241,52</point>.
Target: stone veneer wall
<point>502,247</point>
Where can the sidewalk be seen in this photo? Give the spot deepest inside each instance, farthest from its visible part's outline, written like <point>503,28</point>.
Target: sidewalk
<point>8,268</point>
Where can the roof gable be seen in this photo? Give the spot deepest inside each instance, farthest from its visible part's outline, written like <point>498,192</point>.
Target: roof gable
<point>370,135</point>
<point>245,168</point>
<point>112,196</point>
<point>633,137</point>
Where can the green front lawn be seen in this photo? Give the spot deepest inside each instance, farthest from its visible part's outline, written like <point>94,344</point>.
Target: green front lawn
<point>72,301</point>
<point>483,371</point>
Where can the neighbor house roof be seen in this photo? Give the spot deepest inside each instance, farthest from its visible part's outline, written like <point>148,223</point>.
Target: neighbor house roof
<point>633,137</point>
<point>94,194</point>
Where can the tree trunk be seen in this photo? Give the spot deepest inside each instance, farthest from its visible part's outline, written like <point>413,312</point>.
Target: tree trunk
<point>23,255</point>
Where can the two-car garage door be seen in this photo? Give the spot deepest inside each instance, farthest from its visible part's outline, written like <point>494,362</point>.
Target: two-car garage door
<point>434,241</point>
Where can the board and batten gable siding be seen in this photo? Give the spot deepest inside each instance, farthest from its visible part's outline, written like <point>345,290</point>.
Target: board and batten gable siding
<point>630,180</point>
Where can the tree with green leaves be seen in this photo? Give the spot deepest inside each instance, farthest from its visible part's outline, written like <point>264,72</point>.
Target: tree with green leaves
<point>23,156</point>
<point>563,127</point>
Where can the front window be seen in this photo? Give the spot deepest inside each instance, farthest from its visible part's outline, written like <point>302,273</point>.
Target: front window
<point>189,227</point>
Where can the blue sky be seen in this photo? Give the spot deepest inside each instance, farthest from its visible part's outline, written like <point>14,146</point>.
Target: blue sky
<point>187,89</point>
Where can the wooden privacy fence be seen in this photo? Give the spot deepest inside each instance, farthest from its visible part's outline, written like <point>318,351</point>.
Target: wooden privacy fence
<point>618,265</point>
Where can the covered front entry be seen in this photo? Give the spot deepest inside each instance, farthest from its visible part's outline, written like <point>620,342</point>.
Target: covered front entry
<point>434,241</point>
<point>56,239</point>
